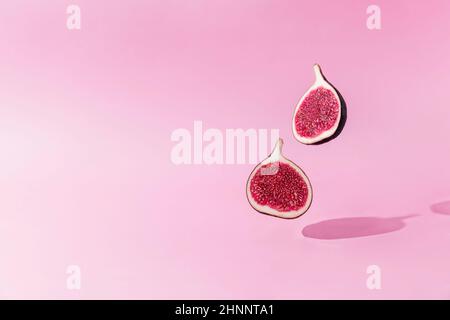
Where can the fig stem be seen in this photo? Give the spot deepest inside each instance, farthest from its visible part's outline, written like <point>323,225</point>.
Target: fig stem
<point>276,153</point>
<point>317,72</point>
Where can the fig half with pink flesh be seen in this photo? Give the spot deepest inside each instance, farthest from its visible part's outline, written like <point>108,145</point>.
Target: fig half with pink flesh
<point>278,187</point>
<point>318,112</point>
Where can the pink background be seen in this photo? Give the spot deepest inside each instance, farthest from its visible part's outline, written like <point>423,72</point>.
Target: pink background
<point>85,170</point>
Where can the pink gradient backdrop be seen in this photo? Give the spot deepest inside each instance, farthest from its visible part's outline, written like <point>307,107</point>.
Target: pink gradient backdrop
<point>85,170</point>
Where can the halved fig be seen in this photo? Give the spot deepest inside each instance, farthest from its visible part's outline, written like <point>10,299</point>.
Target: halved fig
<point>278,187</point>
<point>318,112</point>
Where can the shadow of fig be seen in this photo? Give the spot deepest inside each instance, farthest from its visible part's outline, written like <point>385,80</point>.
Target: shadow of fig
<point>356,227</point>
<point>441,208</point>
